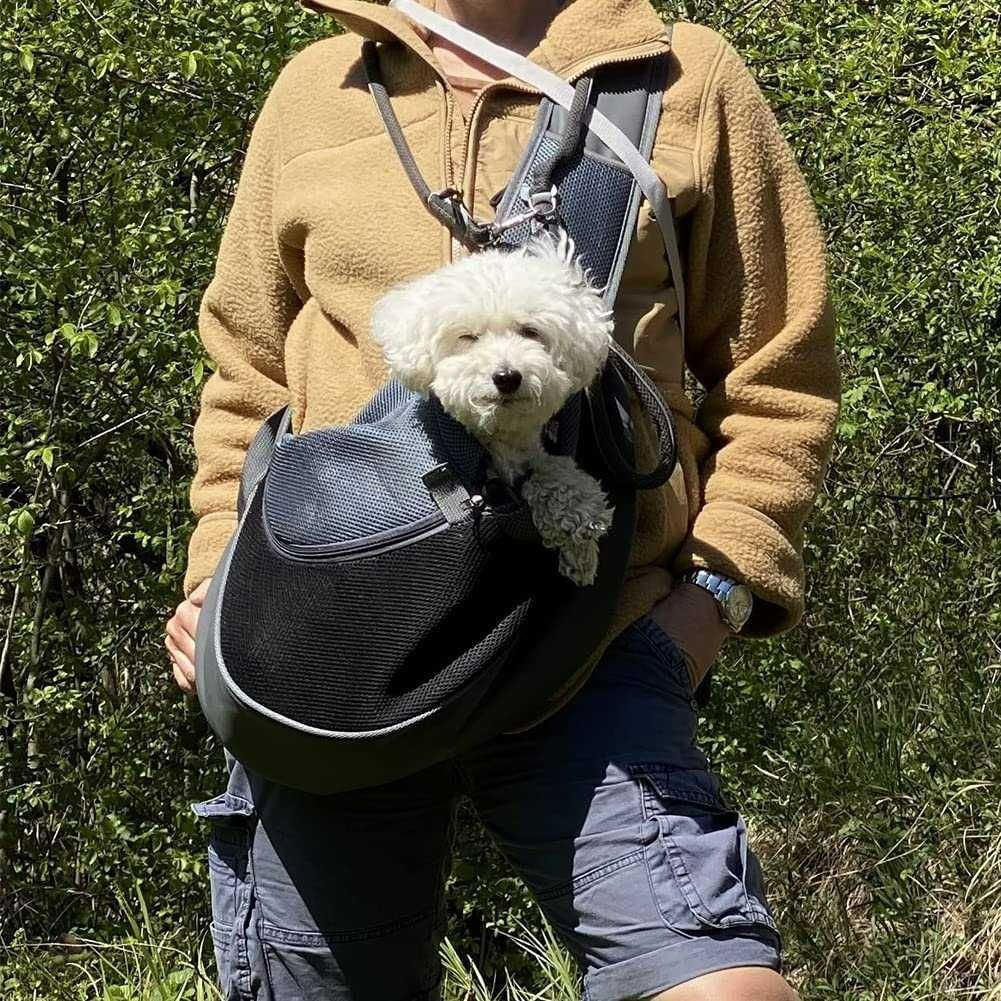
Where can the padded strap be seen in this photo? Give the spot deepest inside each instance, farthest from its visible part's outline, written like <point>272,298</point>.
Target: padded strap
<point>570,138</point>
<point>562,93</point>
<point>258,456</point>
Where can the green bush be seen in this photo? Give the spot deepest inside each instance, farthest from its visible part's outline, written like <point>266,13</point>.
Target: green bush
<point>863,747</point>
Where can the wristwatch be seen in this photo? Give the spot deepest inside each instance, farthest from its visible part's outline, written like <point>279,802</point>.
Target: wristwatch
<point>733,599</point>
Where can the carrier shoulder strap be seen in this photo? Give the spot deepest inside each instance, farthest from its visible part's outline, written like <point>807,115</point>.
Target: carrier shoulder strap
<point>258,456</point>
<point>599,198</point>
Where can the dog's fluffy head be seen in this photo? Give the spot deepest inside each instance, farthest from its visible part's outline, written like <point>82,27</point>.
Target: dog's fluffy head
<point>502,338</point>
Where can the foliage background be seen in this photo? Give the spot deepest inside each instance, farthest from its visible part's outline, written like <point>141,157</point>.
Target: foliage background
<point>863,747</point>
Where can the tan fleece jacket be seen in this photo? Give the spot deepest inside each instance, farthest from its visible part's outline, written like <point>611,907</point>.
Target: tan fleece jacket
<point>324,221</point>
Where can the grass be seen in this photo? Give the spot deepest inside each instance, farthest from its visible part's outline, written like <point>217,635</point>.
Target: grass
<point>149,964</point>
<point>152,964</point>
<point>961,958</point>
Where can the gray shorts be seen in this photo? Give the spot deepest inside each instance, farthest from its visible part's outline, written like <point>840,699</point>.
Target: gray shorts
<point>606,810</point>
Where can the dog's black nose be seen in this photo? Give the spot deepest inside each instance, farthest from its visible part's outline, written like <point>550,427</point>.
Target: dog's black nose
<point>507,380</point>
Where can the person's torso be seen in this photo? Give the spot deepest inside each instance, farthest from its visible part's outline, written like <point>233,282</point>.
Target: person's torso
<point>343,201</point>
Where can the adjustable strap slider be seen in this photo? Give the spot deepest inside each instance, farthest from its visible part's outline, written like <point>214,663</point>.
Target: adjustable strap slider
<point>544,204</point>
<point>543,210</point>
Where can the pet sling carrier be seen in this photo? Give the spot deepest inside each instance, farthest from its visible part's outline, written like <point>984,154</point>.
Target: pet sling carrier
<point>381,604</point>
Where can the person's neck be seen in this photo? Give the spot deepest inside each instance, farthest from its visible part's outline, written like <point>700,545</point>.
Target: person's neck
<point>515,24</point>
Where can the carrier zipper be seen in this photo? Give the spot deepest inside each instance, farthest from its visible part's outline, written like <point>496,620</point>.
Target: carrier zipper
<point>372,545</point>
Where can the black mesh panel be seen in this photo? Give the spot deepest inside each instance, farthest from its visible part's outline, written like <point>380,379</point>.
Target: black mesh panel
<point>435,613</point>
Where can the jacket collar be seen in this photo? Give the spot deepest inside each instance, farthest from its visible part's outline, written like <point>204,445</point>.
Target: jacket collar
<point>583,33</point>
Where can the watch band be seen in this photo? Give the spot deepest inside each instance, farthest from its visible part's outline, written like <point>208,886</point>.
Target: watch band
<point>720,586</point>
<point>716,584</point>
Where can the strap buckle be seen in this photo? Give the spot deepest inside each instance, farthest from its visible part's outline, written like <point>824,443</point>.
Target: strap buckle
<point>543,210</point>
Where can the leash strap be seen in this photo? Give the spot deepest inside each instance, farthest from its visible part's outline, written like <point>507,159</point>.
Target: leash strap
<point>657,412</point>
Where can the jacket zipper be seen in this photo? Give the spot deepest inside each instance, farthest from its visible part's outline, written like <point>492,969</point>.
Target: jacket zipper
<point>575,70</point>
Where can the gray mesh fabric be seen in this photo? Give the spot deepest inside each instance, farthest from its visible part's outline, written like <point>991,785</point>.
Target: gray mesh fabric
<point>594,194</point>
<point>338,485</point>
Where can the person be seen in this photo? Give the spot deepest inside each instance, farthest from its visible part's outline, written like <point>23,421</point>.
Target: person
<point>606,807</point>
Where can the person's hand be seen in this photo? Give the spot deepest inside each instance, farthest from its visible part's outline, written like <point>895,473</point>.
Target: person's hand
<point>690,617</point>
<point>180,637</point>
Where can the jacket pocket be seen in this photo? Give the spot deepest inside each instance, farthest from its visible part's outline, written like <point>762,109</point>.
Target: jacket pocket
<point>231,822</point>
<point>702,870</point>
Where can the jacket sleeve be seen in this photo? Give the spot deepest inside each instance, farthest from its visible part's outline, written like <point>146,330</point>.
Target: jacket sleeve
<point>243,317</point>
<point>761,343</point>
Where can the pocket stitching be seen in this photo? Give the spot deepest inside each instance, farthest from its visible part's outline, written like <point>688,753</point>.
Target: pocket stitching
<point>231,819</point>
<point>668,786</point>
<point>592,876</point>
<point>276,935</point>
<point>693,898</point>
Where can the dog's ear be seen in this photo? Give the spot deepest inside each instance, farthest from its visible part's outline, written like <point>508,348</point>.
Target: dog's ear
<point>403,330</point>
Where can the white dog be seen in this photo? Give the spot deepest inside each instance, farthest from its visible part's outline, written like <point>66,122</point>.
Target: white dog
<point>503,339</point>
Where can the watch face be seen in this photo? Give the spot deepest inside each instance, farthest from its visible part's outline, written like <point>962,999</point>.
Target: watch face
<point>737,605</point>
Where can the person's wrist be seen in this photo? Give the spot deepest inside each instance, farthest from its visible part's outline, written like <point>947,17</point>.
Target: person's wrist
<point>689,615</point>
<point>734,599</point>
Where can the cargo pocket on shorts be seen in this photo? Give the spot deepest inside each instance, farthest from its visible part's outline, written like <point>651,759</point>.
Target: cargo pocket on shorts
<point>703,873</point>
<point>231,823</point>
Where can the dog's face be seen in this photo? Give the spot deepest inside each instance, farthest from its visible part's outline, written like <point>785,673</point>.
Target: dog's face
<point>502,338</point>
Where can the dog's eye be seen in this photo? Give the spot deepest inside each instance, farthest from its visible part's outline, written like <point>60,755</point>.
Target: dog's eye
<point>530,332</point>
<point>468,337</point>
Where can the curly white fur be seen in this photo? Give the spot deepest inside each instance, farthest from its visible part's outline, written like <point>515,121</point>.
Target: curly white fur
<point>503,339</point>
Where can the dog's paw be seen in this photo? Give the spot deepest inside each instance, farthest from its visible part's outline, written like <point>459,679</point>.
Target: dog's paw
<point>578,561</point>
<point>567,502</point>
<point>594,519</point>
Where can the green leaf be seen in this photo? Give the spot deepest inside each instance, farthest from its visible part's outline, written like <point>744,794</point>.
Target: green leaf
<point>25,522</point>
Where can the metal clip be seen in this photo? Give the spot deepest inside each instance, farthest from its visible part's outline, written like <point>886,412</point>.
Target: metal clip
<point>545,203</point>
<point>543,208</point>
<point>449,207</point>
